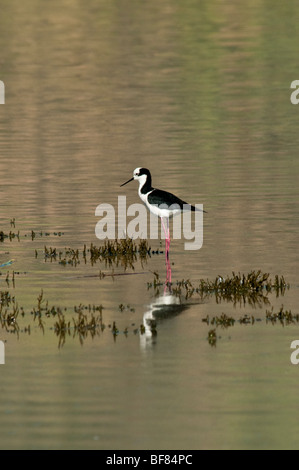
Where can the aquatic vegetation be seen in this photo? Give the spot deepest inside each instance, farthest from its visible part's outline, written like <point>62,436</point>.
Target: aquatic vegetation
<point>224,320</point>
<point>212,337</point>
<point>252,288</point>
<point>156,282</point>
<point>6,299</point>
<point>33,234</point>
<point>248,320</point>
<point>125,252</point>
<point>10,236</point>
<point>284,317</point>
<point>9,311</point>
<point>82,322</point>
<point>86,320</point>
<point>240,288</point>
<point>123,308</point>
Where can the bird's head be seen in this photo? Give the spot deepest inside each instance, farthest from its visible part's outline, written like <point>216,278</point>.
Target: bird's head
<point>141,175</point>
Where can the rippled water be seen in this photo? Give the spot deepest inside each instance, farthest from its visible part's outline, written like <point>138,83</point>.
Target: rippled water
<point>200,95</point>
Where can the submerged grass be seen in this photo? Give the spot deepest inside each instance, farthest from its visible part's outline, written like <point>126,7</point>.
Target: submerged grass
<point>283,317</point>
<point>226,321</point>
<point>9,312</point>
<point>251,288</point>
<point>82,322</point>
<point>113,252</point>
<point>87,320</point>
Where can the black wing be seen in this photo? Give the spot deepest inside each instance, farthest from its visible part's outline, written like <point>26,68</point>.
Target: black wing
<point>159,197</point>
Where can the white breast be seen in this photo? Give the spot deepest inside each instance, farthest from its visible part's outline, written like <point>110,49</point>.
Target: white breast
<point>156,210</point>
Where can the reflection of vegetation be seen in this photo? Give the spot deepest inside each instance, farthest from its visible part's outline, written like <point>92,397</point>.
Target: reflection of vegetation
<point>125,252</point>
<point>225,321</point>
<point>87,320</point>
<point>212,337</point>
<point>9,312</point>
<point>83,325</point>
<point>251,288</point>
<point>285,317</point>
<point>84,321</point>
<point>10,236</point>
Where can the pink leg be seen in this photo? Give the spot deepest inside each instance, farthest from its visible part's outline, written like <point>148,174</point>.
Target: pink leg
<point>166,238</point>
<point>167,246</point>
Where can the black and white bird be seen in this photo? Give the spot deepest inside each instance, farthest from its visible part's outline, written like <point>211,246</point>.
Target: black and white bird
<point>161,203</point>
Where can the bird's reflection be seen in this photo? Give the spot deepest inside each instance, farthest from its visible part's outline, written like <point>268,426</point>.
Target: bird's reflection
<point>165,306</point>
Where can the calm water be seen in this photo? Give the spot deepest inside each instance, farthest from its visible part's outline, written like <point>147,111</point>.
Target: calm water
<point>199,92</point>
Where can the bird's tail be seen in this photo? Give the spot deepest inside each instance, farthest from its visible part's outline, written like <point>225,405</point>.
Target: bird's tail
<point>195,209</point>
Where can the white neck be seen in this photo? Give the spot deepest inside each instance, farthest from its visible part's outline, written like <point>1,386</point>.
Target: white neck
<point>141,181</point>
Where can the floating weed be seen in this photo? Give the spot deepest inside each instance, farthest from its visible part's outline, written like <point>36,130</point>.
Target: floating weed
<point>248,320</point>
<point>13,235</point>
<point>284,317</point>
<point>226,321</point>
<point>252,288</point>
<point>61,329</point>
<point>70,256</point>
<point>10,235</point>
<point>115,330</point>
<point>50,253</point>
<point>87,322</point>
<point>124,251</point>
<point>34,234</point>
<point>123,307</point>
<point>9,312</point>
<point>6,299</point>
<point>156,282</point>
<point>212,337</point>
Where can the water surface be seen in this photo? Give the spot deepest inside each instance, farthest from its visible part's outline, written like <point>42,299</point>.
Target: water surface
<point>199,94</point>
